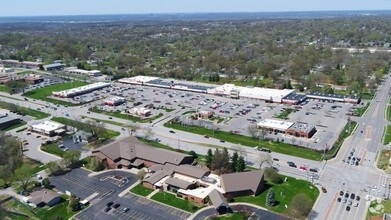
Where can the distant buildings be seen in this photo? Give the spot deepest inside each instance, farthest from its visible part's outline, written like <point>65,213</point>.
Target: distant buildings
<point>76,71</point>
<point>80,90</point>
<point>333,97</point>
<point>49,128</point>
<point>17,63</point>
<point>114,101</point>
<point>33,79</point>
<point>227,90</point>
<point>7,121</point>
<point>53,67</point>
<point>297,129</point>
<point>139,111</point>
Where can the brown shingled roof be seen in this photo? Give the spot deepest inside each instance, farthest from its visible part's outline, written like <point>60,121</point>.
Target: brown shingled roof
<point>130,148</point>
<point>234,182</point>
<point>43,196</point>
<point>178,183</point>
<point>192,171</point>
<point>217,199</point>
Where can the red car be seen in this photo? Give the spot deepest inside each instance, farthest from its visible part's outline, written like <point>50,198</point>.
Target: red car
<point>303,168</point>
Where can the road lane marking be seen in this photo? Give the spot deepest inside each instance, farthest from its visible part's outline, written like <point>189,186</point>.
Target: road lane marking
<point>363,157</point>
<point>331,206</point>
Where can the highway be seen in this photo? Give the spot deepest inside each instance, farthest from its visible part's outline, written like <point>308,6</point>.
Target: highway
<point>334,174</point>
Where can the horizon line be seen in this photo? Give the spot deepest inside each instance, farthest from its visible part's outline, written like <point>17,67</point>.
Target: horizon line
<point>173,13</point>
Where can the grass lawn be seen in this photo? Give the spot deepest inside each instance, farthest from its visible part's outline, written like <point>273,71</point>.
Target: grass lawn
<point>56,212</point>
<point>141,190</point>
<point>43,93</point>
<point>53,149</point>
<point>23,110</point>
<point>389,112</point>
<point>169,109</point>
<point>383,161</point>
<point>250,142</point>
<point>172,200</point>
<point>15,126</point>
<point>33,165</point>
<point>4,89</point>
<point>284,193</point>
<point>126,117</point>
<point>346,132</point>
<point>386,208</point>
<point>387,135</point>
<point>361,111</point>
<point>107,121</point>
<point>284,114</point>
<point>108,134</point>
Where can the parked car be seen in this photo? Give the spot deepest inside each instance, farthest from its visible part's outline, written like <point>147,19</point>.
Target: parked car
<point>108,208</point>
<point>206,136</point>
<point>171,131</point>
<point>347,208</point>
<point>341,193</point>
<point>109,204</point>
<point>126,209</point>
<point>339,199</point>
<point>116,205</point>
<point>324,190</point>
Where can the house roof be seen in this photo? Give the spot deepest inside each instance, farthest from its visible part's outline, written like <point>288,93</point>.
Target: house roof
<point>192,171</point>
<point>155,177</point>
<point>130,148</point>
<point>217,199</point>
<point>43,195</point>
<point>234,182</point>
<point>178,183</point>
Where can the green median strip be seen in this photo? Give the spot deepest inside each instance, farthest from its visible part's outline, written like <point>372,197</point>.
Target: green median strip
<point>126,116</point>
<point>278,147</point>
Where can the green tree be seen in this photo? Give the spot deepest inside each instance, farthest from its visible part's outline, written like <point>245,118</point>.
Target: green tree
<point>74,204</point>
<point>54,168</point>
<point>300,207</point>
<point>23,177</point>
<point>270,198</point>
<point>141,174</point>
<point>272,175</point>
<point>193,153</point>
<point>209,158</point>
<point>240,164</point>
<point>234,161</point>
<point>71,157</point>
<point>16,85</point>
<point>95,164</point>
<point>46,183</point>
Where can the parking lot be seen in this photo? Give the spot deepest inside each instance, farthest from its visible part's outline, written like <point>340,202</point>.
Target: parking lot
<point>106,187</point>
<point>231,115</point>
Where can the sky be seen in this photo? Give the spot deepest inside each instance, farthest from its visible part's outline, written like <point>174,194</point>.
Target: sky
<point>88,7</point>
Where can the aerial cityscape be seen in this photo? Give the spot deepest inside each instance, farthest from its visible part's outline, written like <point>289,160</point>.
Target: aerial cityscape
<point>218,110</point>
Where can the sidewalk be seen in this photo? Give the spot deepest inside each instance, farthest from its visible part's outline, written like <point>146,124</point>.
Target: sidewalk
<point>152,193</point>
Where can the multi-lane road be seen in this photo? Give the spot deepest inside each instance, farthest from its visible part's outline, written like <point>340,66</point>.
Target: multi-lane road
<point>334,174</point>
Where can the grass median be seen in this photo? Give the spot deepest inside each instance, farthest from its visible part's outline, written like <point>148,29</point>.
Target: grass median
<point>277,147</point>
<point>346,132</point>
<point>387,135</point>
<point>126,116</point>
<point>53,149</point>
<point>45,92</point>
<point>23,110</point>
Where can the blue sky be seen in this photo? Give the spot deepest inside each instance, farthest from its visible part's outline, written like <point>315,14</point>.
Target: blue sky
<point>81,7</point>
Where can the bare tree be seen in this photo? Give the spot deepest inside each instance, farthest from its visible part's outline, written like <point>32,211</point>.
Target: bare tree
<point>265,158</point>
<point>293,140</point>
<point>253,131</point>
<point>133,128</point>
<point>262,133</point>
<point>148,133</point>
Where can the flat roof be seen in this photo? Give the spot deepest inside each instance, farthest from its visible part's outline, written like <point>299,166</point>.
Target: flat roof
<point>329,95</point>
<point>48,126</point>
<point>275,124</point>
<point>53,65</point>
<point>6,118</point>
<point>301,126</point>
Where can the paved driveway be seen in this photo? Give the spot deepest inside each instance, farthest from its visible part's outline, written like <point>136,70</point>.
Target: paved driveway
<point>259,214</point>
